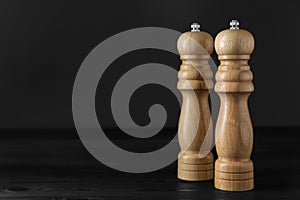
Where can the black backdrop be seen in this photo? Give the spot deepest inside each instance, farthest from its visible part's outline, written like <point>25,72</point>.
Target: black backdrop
<point>43,44</point>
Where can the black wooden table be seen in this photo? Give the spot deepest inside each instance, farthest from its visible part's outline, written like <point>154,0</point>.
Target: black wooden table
<point>43,166</point>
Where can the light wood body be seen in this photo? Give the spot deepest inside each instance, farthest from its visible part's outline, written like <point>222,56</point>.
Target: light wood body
<point>195,117</point>
<point>234,132</point>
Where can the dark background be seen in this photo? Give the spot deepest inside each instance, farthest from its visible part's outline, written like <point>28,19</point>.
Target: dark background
<point>43,44</point>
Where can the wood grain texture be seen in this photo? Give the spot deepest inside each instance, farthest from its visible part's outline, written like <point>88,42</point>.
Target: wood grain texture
<point>234,132</point>
<point>195,78</point>
<point>41,168</point>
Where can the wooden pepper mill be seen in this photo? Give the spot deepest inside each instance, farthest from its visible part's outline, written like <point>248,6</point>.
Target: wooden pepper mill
<point>234,132</point>
<point>195,48</point>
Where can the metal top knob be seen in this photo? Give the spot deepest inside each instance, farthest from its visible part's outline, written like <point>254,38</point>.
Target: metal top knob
<point>195,27</point>
<point>234,24</point>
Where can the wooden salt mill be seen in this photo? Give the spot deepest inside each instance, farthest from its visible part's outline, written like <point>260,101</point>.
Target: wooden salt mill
<point>195,48</point>
<point>234,132</point>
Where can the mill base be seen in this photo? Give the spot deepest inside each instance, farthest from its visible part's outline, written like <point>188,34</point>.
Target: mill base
<point>193,168</point>
<point>234,176</point>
